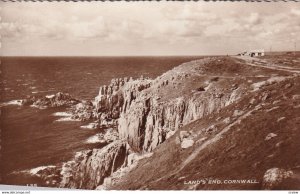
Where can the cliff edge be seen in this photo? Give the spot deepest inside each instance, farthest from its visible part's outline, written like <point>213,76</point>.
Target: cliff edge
<point>214,118</point>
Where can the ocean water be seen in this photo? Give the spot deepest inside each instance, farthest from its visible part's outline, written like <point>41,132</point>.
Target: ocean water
<point>32,137</point>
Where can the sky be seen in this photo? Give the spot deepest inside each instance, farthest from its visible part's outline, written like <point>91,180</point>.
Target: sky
<point>147,28</point>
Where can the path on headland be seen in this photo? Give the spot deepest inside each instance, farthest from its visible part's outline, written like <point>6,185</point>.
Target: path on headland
<point>213,140</point>
<point>256,62</point>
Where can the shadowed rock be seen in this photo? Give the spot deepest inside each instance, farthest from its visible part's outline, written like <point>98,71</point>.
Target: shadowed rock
<point>90,167</point>
<point>57,100</point>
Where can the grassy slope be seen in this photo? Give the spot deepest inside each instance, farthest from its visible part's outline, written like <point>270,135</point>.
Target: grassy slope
<point>242,152</point>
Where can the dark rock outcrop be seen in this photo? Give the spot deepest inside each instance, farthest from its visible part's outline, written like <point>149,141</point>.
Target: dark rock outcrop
<point>90,167</point>
<point>56,100</point>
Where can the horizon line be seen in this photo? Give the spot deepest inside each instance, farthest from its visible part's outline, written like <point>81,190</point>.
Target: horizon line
<point>137,55</point>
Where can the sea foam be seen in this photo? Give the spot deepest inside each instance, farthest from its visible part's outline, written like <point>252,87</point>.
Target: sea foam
<point>35,171</point>
<point>62,114</point>
<point>98,138</point>
<point>66,119</point>
<point>90,126</point>
<point>12,102</point>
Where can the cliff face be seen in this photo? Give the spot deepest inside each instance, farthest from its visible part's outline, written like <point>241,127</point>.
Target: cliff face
<point>155,113</point>
<point>254,139</point>
<point>112,99</point>
<point>147,123</point>
<point>148,112</point>
<point>90,167</point>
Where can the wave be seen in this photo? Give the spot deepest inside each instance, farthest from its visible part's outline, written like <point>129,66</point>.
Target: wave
<point>63,119</point>
<point>65,116</point>
<point>34,171</point>
<point>90,126</point>
<point>62,114</point>
<point>12,102</point>
<point>50,96</point>
<point>98,138</point>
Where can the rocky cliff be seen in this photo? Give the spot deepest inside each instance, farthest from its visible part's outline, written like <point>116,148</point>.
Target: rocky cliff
<point>113,99</point>
<point>148,112</point>
<point>250,143</point>
<point>172,100</point>
<point>89,168</point>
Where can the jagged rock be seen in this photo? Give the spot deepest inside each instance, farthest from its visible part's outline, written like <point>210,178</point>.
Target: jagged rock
<point>186,139</point>
<point>184,134</point>
<point>111,135</point>
<point>234,86</point>
<point>132,158</point>
<point>274,176</point>
<point>227,120</point>
<point>145,123</point>
<point>57,100</point>
<point>90,167</point>
<point>108,136</point>
<point>237,113</point>
<point>210,129</point>
<point>264,96</point>
<point>296,97</point>
<point>214,79</point>
<point>270,136</point>
<point>186,143</point>
<point>83,111</point>
<point>49,174</point>
<point>112,99</point>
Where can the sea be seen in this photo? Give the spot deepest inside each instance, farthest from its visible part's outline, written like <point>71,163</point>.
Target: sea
<point>33,138</point>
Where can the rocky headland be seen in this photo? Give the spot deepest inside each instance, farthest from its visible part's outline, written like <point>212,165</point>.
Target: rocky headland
<point>216,117</point>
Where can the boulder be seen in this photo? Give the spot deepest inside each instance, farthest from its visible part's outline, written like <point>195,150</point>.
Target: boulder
<point>270,136</point>
<point>186,139</point>
<point>186,143</point>
<point>274,176</point>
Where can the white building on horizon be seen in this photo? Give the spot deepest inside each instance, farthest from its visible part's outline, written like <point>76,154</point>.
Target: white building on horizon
<point>254,53</point>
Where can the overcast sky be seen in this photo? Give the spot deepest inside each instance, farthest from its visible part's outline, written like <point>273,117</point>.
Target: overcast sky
<point>147,28</point>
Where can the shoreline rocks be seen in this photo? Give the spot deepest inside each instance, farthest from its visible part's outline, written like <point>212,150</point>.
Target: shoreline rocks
<point>57,100</point>
<point>90,167</point>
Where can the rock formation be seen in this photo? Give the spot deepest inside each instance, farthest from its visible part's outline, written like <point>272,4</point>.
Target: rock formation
<point>274,176</point>
<point>148,112</point>
<point>90,167</point>
<point>112,99</point>
<point>56,100</point>
<point>145,115</point>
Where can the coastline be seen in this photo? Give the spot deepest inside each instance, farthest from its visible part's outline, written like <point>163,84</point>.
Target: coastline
<point>147,113</point>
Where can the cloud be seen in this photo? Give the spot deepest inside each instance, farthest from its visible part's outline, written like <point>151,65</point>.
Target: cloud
<point>295,12</point>
<point>175,25</point>
<point>9,30</point>
<point>254,18</point>
<point>87,29</point>
<point>52,29</point>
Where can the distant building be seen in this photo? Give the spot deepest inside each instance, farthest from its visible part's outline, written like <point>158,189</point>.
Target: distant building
<point>253,53</point>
